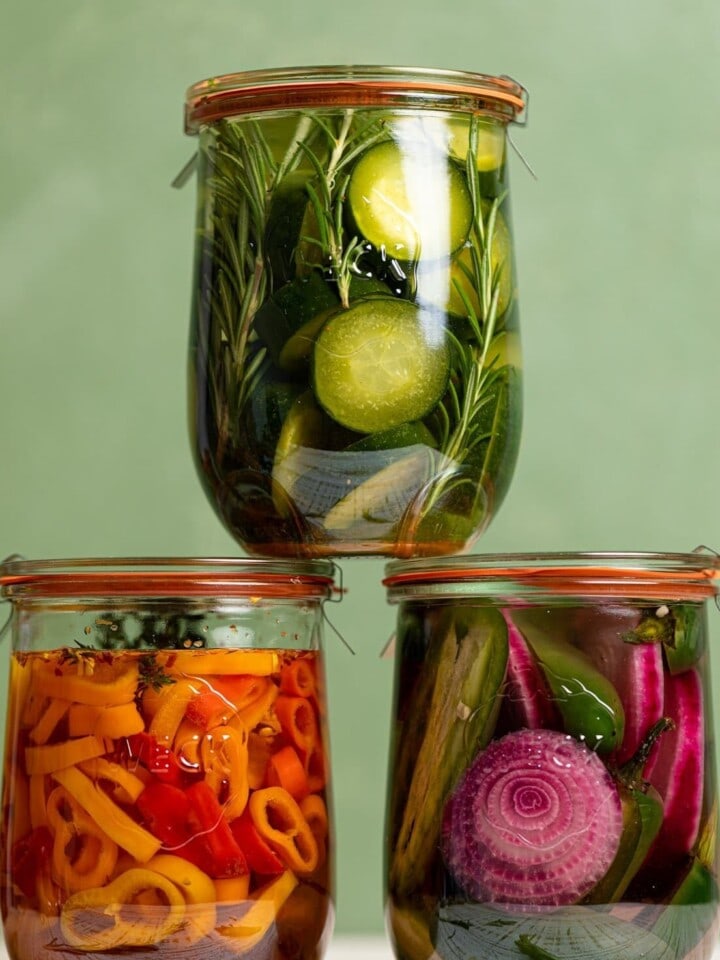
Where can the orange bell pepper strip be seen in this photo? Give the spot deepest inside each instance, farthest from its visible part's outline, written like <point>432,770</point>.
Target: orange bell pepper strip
<point>38,793</point>
<point>297,678</point>
<point>285,769</point>
<point>104,686</point>
<point>113,916</point>
<point>232,890</point>
<point>115,822</point>
<point>279,821</point>
<point>259,751</point>
<point>258,710</point>
<point>83,856</point>
<point>171,710</point>
<point>53,757</point>
<point>198,890</point>
<point>19,822</point>
<point>53,713</point>
<point>298,721</point>
<point>266,903</point>
<point>120,720</point>
<point>126,787</point>
<point>220,698</point>
<point>224,756</point>
<point>258,663</point>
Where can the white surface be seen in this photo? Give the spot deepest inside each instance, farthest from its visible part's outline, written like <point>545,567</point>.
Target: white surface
<point>359,948</point>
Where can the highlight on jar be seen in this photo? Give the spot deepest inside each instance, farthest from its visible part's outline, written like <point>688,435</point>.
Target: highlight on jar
<point>355,365</point>
<point>166,765</point>
<point>552,772</point>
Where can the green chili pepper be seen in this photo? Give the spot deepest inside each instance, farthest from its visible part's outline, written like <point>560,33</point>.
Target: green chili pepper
<point>681,631</point>
<point>642,818</point>
<point>588,703</point>
<point>691,913</point>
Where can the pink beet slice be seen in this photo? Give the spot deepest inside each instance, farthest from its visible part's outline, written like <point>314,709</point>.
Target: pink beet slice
<point>536,819</point>
<point>634,669</point>
<point>676,770</point>
<point>526,693</point>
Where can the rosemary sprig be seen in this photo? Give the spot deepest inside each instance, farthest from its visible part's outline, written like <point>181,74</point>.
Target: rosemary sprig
<point>243,177</point>
<point>474,380</point>
<point>328,194</point>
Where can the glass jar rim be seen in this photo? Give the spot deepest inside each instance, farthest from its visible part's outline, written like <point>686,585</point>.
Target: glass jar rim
<point>297,88</point>
<point>681,576</point>
<point>166,577</point>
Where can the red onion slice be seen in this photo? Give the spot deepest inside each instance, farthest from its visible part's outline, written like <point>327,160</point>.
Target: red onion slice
<point>536,819</point>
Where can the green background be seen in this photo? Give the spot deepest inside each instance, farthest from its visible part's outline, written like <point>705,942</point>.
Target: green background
<point>618,236</point>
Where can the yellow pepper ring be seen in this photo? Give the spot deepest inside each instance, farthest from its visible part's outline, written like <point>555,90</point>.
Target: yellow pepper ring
<point>83,855</point>
<point>265,906</point>
<point>84,917</point>
<point>279,821</point>
<point>224,754</point>
<point>117,824</point>
<point>196,887</point>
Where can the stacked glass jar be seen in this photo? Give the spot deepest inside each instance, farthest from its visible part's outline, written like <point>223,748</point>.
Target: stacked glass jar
<point>355,389</point>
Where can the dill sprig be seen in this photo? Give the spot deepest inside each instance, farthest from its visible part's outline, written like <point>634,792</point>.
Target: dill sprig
<point>152,675</point>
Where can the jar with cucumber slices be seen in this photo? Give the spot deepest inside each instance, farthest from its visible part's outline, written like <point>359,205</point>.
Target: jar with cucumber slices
<point>355,372</point>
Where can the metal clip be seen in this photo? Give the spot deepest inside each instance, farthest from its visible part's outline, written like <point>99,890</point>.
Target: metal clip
<point>4,628</point>
<point>187,171</point>
<point>712,553</point>
<point>338,590</point>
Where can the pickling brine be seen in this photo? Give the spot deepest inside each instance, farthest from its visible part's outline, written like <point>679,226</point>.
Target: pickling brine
<point>165,801</point>
<point>552,778</point>
<point>354,362</point>
<point>165,785</point>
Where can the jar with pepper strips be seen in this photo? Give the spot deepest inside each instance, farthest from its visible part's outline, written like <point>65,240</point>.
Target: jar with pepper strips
<point>166,766</point>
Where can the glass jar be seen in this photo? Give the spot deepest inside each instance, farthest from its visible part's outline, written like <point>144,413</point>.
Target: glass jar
<point>166,763</point>
<point>354,354</point>
<point>552,774</point>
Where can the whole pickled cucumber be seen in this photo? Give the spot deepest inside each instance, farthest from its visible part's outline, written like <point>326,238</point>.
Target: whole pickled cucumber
<point>467,658</point>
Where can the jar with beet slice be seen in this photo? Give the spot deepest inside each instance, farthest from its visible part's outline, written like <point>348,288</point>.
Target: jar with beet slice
<point>552,784</point>
<point>165,787</point>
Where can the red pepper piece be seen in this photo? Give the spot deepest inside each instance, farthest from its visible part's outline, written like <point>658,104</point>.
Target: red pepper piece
<point>224,857</point>
<point>27,858</point>
<point>259,855</point>
<point>165,810</point>
<point>159,760</point>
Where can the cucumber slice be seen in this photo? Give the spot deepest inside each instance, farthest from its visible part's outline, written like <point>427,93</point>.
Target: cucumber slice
<point>382,499</point>
<point>490,142</point>
<point>284,227</point>
<point>290,308</point>
<point>451,134</point>
<point>404,435</point>
<point>306,430</point>
<point>380,363</point>
<point>450,285</point>
<point>295,353</point>
<point>410,201</point>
